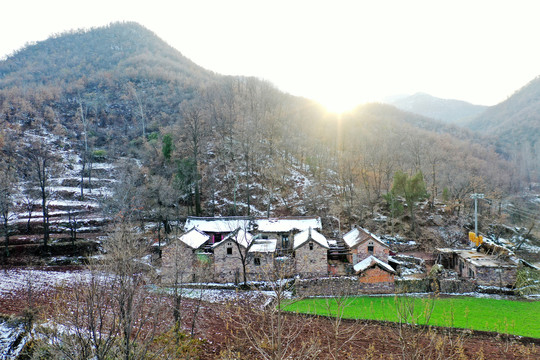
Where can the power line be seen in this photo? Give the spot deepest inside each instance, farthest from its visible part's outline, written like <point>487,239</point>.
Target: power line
<point>516,209</point>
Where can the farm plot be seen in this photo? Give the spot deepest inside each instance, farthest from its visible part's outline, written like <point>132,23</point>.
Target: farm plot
<point>486,314</point>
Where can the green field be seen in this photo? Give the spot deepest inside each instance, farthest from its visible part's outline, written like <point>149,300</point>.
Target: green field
<point>503,316</point>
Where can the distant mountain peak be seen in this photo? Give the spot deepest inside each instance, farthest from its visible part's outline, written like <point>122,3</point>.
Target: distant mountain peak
<point>447,110</point>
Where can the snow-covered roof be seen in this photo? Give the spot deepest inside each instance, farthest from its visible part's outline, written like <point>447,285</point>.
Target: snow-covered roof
<point>218,224</point>
<point>310,234</point>
<point>371,261</point>
<point>359,235</point>
<point>279,225</point>
<point>194,238</point>
<point>263,246</point>
<point>240,236</point>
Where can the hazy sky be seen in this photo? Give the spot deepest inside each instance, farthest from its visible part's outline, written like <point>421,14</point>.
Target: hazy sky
<point>340,53</point>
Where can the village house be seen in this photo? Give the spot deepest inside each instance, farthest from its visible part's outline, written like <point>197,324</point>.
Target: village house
<point>225,247</point>
<point>488,265</point>
<point>218,227</point>
<point>363,244</point>
<point>184,258</point>
<point>230,255</point>
<point>284,229</point>
<point>311,253</point>
<point>261,259</point>
<point>375,275</point>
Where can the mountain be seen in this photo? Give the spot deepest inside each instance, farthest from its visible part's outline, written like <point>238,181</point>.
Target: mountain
<point>514,121</point>
<point>174,139</point>
<point>449,111</point>
<point>119,50</point>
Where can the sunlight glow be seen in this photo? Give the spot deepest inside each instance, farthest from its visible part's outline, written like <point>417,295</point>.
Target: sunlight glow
<point>338,104</point>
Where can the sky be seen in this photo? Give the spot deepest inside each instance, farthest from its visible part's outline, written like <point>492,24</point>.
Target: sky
<point>339,53</point>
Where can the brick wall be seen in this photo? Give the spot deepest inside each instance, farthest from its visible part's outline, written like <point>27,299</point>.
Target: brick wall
<point>375,275</point>
<point>361,252</point>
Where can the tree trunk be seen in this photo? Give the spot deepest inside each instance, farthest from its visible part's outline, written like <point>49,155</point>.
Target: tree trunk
<point>45,220</point>
<point>6,237</point>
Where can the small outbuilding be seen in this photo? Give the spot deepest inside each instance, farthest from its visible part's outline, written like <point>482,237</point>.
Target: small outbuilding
<point>375,275</point>
<point>260,261</point>
<point>487,265</point>
<point>184,258</point>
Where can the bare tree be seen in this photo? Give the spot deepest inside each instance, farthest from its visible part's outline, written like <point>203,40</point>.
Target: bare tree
<point>41,163</point>
<point>132,92</point>
<point>196,131</point>
<point>7,186</point>
<point>109,313</point>
<point>268,329</point>
<point>85,155</point>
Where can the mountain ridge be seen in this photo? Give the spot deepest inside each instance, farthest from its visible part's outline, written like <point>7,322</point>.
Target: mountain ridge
<point>236,145</point>
<point>447,110</point>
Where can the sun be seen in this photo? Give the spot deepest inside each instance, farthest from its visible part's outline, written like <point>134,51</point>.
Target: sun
<point>339,100</point>
<point>338,104</point>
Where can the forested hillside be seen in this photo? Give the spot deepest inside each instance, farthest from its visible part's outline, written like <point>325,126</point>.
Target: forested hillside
<point>208,144</point>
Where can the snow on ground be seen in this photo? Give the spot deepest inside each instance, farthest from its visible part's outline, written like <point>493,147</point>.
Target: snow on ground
<point>225,295</point>
<point>13,280</point>
<point>9,332</point>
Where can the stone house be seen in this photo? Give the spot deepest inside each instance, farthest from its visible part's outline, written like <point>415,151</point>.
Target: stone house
<point>184,260</point>
<point>261,259</point>
<point>219,249</point>
<point>362,244</point>
<point>218,227</point>
<point>375,275</point>
<point>487,265</point>
<point>310,253</point>
<point>283,229</point>
<point>229,255</point>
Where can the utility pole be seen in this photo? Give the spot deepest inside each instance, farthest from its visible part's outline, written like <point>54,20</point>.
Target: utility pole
<point>476,197</point>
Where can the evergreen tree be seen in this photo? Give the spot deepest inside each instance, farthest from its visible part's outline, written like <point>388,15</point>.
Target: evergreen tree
<point>413,189</point>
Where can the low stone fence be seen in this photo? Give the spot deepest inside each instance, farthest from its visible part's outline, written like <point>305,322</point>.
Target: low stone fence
<point>350,286</point>
<point>340,286</point>
<point>457,286</point>
<point>448,286</point>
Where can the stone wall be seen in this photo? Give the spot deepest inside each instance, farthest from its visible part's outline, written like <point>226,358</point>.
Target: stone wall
<point>311,261</point>
<point>340,286</point>
<point>495,276</point>
<point>227,267</point>
<point>264,271</point>
<point>456,286</point>
<point>177,259</point>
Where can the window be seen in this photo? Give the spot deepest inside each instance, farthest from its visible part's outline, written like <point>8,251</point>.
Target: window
<point>471,273</point>
<point>217,238</point>
<point>257,261</point>
<point>310,246</point>
<point>264,237</point>
<point>285,241</point>
<point>229,249</point>
<point>370,248</point>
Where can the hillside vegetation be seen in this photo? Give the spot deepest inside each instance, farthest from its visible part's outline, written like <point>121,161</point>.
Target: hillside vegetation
<point>185,140</point>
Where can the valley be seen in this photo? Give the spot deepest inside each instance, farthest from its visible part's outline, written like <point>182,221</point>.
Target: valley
<point>110,140</point>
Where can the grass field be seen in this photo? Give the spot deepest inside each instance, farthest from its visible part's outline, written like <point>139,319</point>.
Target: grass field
<point>503,316</point>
